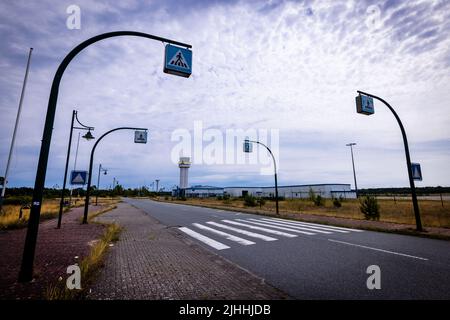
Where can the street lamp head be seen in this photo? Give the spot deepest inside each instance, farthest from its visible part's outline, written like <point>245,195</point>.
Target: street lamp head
<point>351,144</point>
<point>88,136</point>
<point>105,172</point>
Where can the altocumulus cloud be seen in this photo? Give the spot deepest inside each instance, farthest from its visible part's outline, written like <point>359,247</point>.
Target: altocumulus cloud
<point>294,66</point>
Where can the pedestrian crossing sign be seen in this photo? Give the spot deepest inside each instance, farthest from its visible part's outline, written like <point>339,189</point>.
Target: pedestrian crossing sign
<point>416,171</point>
<point>178,61</point>
<point>78,177</point>
<point>364,105</point>
<point>140,136</point>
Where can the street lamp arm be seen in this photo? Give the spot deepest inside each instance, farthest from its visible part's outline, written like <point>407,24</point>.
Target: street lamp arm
<point>83,126</point>
<point>270,151</point>
<point>390,108</point>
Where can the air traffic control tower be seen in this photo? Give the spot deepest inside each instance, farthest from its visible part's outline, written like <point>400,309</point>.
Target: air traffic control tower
<point>184,164</point>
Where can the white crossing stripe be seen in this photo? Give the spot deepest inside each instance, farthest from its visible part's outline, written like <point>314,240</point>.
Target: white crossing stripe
<point>321,225</point>
<point>210,242</point>
<point>276,223</point>
<point>289,223</point>
<point>276,227</point>
<point>224,234</point>
<point>279,233</point>
<point>247,233</point>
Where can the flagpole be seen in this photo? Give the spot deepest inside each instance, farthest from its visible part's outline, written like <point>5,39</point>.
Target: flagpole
<point>15,128</point>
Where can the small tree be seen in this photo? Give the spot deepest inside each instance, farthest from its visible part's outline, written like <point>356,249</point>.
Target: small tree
<point>370,208</point>
<point>261,202</point>
<point>249,201</point>
<point>311,195</point>
<point>319,201</point>
<point>337,203</point>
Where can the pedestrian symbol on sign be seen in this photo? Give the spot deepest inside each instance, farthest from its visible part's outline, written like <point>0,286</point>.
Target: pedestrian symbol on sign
<point>179,60</point>
<point>140,136</point>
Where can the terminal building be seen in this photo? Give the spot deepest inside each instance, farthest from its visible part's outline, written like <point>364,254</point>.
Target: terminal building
<point>331,190</point>
<point>335,190</point>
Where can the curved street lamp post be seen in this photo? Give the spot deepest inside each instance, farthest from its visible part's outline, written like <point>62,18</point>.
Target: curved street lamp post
<point>100,170</point>
<point>26,268</point>
<point>408,159</point>
<point>88,136</point>
<point>88,189</point>
<point>247,149</point>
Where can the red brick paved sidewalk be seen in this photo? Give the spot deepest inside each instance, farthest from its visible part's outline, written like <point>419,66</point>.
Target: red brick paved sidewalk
<point>56,250</point>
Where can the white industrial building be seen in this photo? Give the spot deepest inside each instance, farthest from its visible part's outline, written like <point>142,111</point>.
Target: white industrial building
<point>334,190</point>
<point>288,192</point>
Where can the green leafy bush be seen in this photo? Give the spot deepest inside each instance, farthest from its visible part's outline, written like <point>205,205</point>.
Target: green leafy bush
<point>370,208</point>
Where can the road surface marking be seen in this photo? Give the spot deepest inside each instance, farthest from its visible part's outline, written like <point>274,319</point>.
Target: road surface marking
<point>289,223</point>
<point>275,227</point>
<point>224,234</point>
<point>279,233</point>
<point>292,226</point>
<point>247,233</point>
<point>376,249</point>
<point>210,242</point>
<point>321,225</point>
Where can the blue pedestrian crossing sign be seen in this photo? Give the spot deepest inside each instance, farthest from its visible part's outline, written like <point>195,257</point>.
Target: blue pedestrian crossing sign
<point>78,177</point>
<point>178,61</point>
<point>364,105</point>
<point>248,147</point>
<point>416,171</point>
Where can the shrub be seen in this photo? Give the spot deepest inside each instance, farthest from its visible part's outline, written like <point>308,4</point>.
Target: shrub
<point>337,203</point>
<point>370,208</point>
<point>219,198</point>
<point>319,201</point>
<point>261,202</point>
<point>249,201</point>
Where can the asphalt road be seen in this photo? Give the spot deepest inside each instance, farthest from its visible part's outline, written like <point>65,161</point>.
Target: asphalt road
<point>312,261</point>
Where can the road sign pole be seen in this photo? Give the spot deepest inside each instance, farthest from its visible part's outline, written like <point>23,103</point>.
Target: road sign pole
<point>88,189</point>
<point>26,268</point>
<point>61,204</point>
<point>408,162</point>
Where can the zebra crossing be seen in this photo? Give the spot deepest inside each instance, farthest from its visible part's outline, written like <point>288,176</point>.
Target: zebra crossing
<point>248,231</point>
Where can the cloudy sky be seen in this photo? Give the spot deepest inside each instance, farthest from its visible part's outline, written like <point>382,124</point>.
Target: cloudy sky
<point>289,69</point>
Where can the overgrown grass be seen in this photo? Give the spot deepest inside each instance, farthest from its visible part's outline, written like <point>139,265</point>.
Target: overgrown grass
<point>9,219</point>
<point>400,211</point>
<point>89,268</point>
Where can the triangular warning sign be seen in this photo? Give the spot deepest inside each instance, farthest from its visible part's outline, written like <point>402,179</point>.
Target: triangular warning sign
<point>179,60</point>
<point>78,179</point>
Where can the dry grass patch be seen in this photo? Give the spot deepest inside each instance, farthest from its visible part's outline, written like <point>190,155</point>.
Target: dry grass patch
<point>89,267</point>
<point>9,219</point>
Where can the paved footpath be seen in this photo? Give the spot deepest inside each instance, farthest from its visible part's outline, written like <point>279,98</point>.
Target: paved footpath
<point>56,249</point>
<point>152,261</point>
